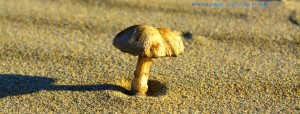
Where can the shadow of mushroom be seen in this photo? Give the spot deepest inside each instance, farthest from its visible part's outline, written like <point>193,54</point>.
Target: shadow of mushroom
<point>16,84</point>
<point>156,88</point>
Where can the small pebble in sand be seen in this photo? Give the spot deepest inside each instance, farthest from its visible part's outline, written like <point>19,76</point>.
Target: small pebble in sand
<point>187,35</point>
<point>294,18</point>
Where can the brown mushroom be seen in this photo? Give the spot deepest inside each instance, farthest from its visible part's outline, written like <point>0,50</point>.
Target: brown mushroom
<point>147,42</point>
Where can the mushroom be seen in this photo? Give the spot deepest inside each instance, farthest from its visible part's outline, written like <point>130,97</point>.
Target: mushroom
<point>147,42</point>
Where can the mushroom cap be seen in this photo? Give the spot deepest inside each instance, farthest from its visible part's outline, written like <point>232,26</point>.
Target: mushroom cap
<point>173,42</point>
<point>145,40</point>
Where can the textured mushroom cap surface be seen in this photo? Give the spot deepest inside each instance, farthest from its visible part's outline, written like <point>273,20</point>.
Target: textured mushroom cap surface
<point>145,40</point>
<point>173,42</point>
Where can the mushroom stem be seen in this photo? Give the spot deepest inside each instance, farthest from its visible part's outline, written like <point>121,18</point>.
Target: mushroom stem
<point>139,83</point>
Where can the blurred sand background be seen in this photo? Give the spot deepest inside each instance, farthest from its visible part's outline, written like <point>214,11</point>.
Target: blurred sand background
<point>57,56</point>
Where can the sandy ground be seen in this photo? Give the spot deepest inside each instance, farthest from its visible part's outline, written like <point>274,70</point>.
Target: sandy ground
<point>57,56</point>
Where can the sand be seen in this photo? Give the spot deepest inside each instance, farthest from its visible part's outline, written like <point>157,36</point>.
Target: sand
<point>57,56</point>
